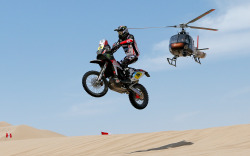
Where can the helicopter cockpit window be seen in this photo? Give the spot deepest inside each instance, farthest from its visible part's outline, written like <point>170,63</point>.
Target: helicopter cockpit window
<point>174,39</point>
<point>182,38</point>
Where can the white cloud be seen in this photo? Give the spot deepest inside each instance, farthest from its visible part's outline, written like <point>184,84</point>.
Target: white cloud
<point>162,46</point>
<point>228,44</point>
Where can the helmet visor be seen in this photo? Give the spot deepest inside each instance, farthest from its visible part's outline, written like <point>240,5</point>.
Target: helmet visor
<point>120,32</point>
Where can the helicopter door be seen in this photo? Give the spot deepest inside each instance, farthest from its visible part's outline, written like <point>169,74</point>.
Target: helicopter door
<point>191,43</point>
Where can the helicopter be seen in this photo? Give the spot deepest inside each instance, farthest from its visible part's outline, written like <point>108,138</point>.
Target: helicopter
<point>182,44</point>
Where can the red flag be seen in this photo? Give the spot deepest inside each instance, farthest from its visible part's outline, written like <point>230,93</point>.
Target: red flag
<point>105,133</point>
<point>7,135</point>
<point>10,135</point>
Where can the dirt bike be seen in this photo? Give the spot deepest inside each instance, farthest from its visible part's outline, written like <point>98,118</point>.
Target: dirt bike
<point>97,83</point>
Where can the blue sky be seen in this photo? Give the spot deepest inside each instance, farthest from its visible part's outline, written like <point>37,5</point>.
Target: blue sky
<point>46,47</point>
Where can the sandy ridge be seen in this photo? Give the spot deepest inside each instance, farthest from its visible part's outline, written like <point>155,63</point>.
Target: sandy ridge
<point>219,141</point>
<point>22,132</point>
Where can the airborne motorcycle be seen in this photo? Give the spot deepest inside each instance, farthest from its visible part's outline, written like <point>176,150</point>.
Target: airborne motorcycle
<point>97,83</point>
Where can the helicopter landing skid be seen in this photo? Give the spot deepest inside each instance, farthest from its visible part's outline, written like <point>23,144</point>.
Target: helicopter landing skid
<point>197,60</point>
<point>172,61</point>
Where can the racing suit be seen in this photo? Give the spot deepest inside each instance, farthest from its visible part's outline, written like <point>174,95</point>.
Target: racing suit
<point>130,48</point>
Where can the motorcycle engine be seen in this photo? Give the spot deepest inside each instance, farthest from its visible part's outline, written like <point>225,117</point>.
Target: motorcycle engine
<point>116,86</point>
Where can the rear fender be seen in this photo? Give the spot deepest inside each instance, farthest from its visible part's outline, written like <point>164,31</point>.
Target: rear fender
<point>139,73</point>
<point>140,70</point>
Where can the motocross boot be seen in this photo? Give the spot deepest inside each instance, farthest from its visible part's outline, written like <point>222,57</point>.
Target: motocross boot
<point>126,78</point>
<point>117,80</point>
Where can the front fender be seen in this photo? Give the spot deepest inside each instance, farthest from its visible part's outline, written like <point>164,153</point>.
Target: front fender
<point>100,62</point>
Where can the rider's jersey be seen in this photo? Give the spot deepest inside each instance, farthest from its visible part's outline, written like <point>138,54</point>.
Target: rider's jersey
<point>129,46</point>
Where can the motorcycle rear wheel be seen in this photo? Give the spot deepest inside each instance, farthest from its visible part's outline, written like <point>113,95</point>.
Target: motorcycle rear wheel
<point>139,102</point>
<point>92,87</point>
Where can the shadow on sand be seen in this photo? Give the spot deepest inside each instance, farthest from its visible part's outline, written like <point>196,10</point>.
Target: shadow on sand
<point>173,145</point>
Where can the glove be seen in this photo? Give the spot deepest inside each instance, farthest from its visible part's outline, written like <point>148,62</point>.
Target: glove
<point>116,44</point>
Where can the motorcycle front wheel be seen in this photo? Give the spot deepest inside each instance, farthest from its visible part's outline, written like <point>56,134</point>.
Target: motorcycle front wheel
<point>92,86</point>
<point>139,101</point>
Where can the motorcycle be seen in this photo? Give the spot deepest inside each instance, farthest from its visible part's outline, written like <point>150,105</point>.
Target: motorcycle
<point>97,83</point>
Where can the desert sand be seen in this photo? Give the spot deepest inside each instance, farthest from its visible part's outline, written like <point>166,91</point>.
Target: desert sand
<point>219,141</point>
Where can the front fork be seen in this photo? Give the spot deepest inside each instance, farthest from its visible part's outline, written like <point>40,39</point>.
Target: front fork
<point>102,72</point>
<point>135,90</point>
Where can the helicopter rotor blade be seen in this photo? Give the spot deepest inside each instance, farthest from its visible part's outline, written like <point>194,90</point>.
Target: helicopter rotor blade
<point>203,28</point>
<point>197,18</point>
<point>203,49</point>
<point>147,28</point>
<point>175,26</point>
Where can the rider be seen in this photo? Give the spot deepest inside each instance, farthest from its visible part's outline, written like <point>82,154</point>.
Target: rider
<point>127,41</point>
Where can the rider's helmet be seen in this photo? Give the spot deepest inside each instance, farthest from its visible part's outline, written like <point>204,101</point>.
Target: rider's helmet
<point>123,32</point>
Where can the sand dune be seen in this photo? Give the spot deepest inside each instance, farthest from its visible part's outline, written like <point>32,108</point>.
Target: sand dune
<point>4,124</point>
<point>23,132</point>
<point>221,141</point>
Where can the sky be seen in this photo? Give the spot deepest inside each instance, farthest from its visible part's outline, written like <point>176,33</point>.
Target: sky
<point>46,47</point>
